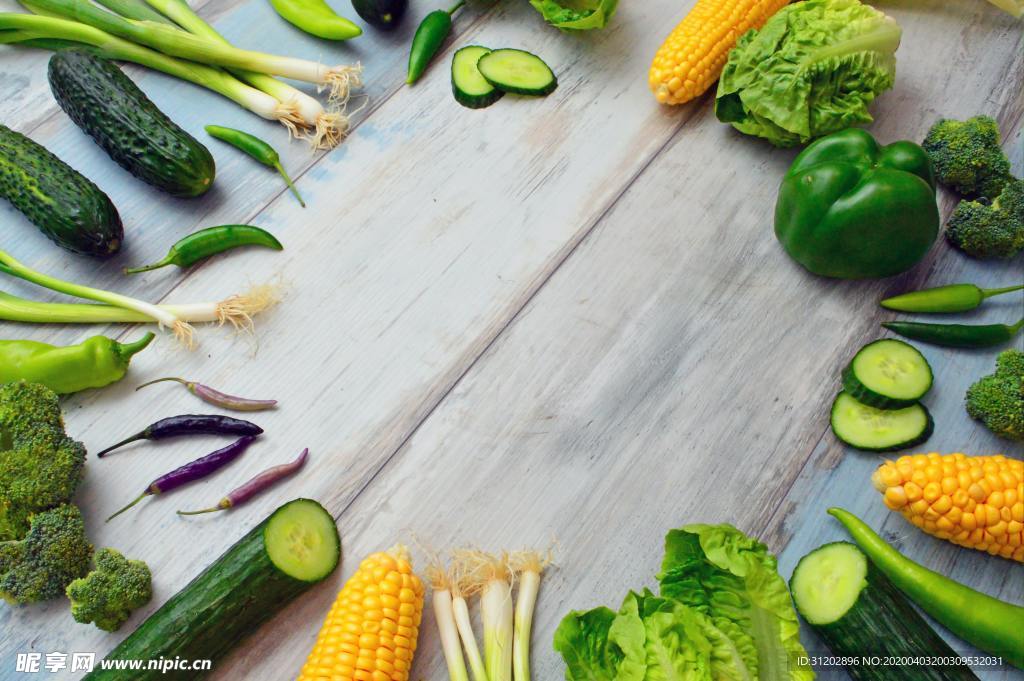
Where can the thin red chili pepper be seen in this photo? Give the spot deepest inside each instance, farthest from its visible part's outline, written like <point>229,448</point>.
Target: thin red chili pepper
<point>216,397</point>
<point>260,483</point>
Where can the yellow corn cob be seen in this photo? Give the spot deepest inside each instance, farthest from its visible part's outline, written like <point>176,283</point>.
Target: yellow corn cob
<point>370,633</point>
<point>693,55</point>
<point>973,501</point>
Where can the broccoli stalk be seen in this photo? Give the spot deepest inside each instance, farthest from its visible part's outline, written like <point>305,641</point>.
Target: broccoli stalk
<point>40,466</point>
<point>993,230</point>
<point>53,553</point>
<point>967,156</point>
<point>108,594</point>
<point>998,399</point>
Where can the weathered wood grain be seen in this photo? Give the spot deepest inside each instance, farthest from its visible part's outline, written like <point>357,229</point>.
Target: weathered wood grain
<point>457,382</point>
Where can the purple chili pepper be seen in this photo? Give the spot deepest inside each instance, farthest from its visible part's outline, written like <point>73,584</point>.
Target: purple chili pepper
<point>192,471</point>
<point>189,424</point>
<point>261,482</point>
<point>212,396</point>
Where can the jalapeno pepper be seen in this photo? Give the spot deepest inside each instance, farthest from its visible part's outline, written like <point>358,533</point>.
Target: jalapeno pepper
<point>429,37</point>
<point>316,18</point>
<point>257,148</point>
<point>211,241</point>
<point>952,298</point>
<point>97,362</point>
<point>957,335</point>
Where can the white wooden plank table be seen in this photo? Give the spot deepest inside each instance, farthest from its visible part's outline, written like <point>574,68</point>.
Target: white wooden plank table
<point>556,318</point>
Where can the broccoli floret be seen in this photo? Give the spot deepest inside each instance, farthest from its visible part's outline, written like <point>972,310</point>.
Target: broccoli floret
<point>967,156</point>
<point>108,594</point>
<point>993,230</point>
<point>53,553</point>
<point>40,466</point>
<point>998,399</point>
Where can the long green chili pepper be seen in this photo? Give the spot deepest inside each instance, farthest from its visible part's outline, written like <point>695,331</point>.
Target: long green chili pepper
<point>957,335</point>
<point>257,148</point>
<point>429,37</point>
<point>316,18</point>
<point>97,362</point>
<point>211,241</point>
<point>952,298</point>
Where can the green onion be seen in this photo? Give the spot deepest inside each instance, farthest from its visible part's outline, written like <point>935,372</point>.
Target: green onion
<point>178,43</point>
<point>55,33</point>
<point>444,615</point>
<point>297,107</point>
<point>236,310</point>
<point>494,579</point>
<point>528,566</point>
<point>463,585</point>
<point>182,331</point>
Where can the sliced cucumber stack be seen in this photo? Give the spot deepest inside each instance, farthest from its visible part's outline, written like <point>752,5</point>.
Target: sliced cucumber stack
<point>879,430</point>
<point>470,88</point>
<point>860,614</point>
<point>518,71</point>
<point>888,374</point>
<point>878,409</point>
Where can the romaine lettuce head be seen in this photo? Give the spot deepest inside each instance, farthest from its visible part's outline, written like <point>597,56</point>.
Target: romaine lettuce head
<point>577,15</point>
<point>733,580</point>
<point>811,70</point>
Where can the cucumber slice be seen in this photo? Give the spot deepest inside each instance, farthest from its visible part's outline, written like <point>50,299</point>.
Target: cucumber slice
<point>470,88</point>
<point>301,540</point>
<point>879,430</point>
<point>888,374</point>
<point>518,71</point>
<point>860,613</point>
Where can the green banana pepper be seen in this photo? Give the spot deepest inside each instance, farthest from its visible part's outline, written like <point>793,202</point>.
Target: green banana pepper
<point>316,18</point>
<point>851,209</point>
<point>97,362</point>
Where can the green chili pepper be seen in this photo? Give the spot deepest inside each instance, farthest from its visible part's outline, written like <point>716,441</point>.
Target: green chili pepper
<point>97,362</point>
<point>957,335</point>
<point>431,33</point>
<point>211,241</point>
<point>255,147</point>
<point>952,298</point>
<point>316,18</point>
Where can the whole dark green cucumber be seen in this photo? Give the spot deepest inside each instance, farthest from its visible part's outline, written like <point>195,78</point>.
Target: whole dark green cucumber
<point>62,202</point>
<point>285,555</point>
<point>108,106</point>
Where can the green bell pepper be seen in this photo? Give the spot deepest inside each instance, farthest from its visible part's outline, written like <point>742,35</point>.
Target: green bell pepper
<point>851,209</point>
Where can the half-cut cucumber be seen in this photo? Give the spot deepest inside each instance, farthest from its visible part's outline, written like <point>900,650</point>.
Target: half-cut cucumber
<point>285,555</point>
<point>517,71</point>
<point>879,430</point>
<point>469,87</point>
<point>888,374</point>
<point>861,615</point>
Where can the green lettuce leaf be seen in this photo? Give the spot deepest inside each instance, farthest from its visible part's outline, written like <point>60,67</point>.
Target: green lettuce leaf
<point>602,645</point>
<point>733,580</point>
<point>682,644</point>
<point>577,15</point>
<point>812,69</point>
